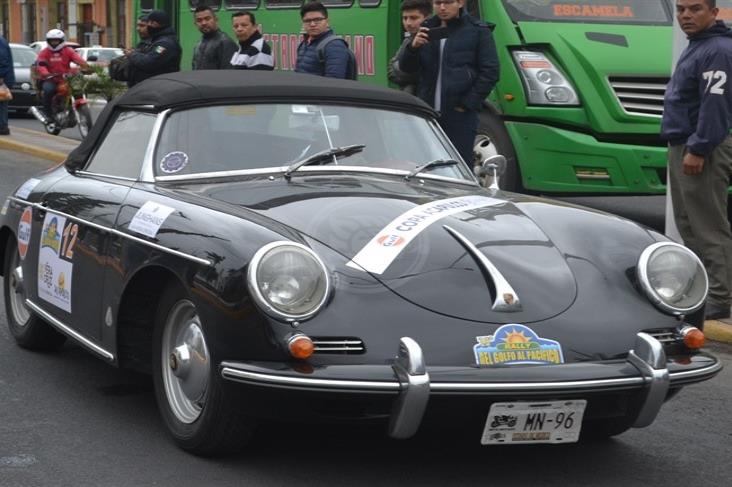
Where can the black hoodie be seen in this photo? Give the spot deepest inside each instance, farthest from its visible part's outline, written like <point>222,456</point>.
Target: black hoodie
<point>697,109</point>
<point>161,55</point>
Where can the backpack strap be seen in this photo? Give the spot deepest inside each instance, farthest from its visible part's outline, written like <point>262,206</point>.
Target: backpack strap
<point>324,43</point>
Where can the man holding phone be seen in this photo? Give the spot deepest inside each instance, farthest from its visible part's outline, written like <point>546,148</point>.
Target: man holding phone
<point>414,12</point>
<point>455,59</point>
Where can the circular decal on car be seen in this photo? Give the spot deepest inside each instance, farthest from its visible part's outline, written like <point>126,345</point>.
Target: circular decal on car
<point>24,231</point>
<point>173,162</point>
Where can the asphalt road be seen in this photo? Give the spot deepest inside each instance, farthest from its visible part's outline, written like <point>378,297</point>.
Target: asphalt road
<point>28,121</point>
<point>67,418</point>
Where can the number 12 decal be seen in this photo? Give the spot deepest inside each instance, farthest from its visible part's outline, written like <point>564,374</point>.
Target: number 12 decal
<point>717,88</point>
<point>69,240</point>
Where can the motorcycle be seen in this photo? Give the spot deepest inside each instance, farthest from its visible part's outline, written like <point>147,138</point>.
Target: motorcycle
<point>68,109</point>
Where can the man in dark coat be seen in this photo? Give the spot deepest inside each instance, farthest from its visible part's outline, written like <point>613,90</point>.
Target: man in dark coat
<point>697,119</point>
<point>7,76</point>
<point>161,55</point>
<point>335,55</point>
<point>457,69</point>
<point>215,49</point>
<point>414,12</point>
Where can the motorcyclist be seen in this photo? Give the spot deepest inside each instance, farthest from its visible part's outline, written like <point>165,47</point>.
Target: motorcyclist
<point>54,61</point>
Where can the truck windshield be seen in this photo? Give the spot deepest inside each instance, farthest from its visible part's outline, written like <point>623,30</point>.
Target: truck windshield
<point>585,11</point>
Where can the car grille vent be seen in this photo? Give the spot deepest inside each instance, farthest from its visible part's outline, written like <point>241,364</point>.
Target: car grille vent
<point>665,336</point>
<point>339,345</point>
<point>640,96</point>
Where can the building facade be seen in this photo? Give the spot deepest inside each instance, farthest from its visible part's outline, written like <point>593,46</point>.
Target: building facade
<point>108,23</point>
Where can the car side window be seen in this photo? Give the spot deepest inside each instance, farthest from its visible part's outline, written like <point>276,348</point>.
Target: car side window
<point>122,151</point>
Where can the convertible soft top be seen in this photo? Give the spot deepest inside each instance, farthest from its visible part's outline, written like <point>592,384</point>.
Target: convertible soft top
<point>195,88</point>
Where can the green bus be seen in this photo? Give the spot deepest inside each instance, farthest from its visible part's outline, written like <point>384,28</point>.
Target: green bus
<point>580,99</point>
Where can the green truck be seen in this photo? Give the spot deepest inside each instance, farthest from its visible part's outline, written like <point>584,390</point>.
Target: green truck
<point>580,99</point>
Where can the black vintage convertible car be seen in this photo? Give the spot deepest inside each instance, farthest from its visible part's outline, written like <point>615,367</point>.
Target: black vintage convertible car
<point>273,245</point>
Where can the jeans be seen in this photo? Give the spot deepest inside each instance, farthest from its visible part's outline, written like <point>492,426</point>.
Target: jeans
<point>461,128</point>
<point>3,114</point>
<point>49,89</point>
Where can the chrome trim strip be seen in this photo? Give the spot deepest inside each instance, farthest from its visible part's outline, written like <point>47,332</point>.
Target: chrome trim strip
<point>593,177</point>
<point>632,95</point>
<point>408,409</point>
<point>321,348</point>
<point>108,176</point>
<point>711,369</point>
<point>118,233</point>
<point>649,358</point>
<point>147,173</point>
<point>638,86</point>
<point>534,386</point>
<point>69,331</point>
<point>506,298</point>
<point>315,169</point>
<point>344,385</point>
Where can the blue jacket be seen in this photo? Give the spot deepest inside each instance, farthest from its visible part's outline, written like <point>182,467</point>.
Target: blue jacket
<point>470,66</point>
<point>336,58</point>
<point>697,108</point>
<point>7,72</point>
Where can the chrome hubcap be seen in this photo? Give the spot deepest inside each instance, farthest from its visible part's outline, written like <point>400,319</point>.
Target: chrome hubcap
<point>186,362</point>
<point>21,315</point>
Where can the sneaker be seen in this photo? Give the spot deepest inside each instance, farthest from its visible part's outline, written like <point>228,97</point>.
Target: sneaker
<point>4,131</point>
<point>716,311</point>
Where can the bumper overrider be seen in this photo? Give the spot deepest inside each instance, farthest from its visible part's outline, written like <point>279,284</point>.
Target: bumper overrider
<point>646,372</point>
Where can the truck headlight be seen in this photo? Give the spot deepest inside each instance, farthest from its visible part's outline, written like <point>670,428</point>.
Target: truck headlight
<point>544,83</point>
<point>673,278</point>
<point>288,281</point>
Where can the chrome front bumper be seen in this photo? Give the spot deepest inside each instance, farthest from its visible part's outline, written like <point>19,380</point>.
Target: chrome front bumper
<point>412,383</point>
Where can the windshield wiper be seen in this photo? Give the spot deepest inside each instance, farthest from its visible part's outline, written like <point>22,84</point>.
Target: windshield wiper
<point>319,157</point>
<point>430,165</point>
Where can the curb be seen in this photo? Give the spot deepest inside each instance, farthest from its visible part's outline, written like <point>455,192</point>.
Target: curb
<point>47,154</point>
<point>718,331</point>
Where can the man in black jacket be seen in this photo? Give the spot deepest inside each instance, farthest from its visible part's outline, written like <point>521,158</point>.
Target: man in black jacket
<point>215,48</point>
<point>457,67</point>
<point>414,12</point>
<point>697,118</point>
<point>161,55</point>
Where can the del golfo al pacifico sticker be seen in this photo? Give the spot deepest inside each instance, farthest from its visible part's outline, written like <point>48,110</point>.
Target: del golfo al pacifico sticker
<point>516,344</point>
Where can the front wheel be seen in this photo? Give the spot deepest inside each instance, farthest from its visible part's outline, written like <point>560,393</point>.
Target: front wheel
<point>83,119</point>
<point>198,413</point>
<point>492,139</point>
<point>27,328</point>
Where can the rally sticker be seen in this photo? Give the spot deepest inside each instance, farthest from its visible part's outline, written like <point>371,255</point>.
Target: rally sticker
<point>24,231</point>
<point>149,218</point>
<point>27,187</point>
<point>172,162</point>
<point>385,247</point>
<point>4,210</point>
<point>54,272</point>
<point>516,344</point>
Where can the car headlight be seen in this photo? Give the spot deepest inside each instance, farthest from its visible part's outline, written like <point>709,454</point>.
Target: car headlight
<point>288,281</point>
<point>673,278</point>
<point>543,81</point>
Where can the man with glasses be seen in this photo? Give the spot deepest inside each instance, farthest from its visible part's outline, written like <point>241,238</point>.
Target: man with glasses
<point>455,75</point>
<point>321,52</point>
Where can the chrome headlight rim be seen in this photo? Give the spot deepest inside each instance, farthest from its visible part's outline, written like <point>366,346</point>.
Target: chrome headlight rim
<point>263,303</point>
<point>650,291</point>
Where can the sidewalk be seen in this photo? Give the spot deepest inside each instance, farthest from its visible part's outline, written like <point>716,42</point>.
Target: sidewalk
<point>39,144</point>
<point>55,149</point>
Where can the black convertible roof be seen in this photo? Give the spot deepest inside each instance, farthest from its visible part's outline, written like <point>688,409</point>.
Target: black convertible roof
<point>195,88</point>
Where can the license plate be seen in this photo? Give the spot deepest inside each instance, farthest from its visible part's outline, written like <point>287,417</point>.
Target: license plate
<point>534,422</point>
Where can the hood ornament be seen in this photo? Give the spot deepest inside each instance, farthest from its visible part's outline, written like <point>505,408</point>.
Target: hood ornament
<point>506,300</point>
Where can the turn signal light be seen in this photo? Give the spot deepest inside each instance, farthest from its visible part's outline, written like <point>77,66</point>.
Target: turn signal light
<point>693,337</point>
<point>301,347</point>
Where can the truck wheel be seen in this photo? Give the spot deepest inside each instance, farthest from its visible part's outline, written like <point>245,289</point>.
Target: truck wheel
<point>492,139</point>
<point>198,413</point>
<point>27,328</point>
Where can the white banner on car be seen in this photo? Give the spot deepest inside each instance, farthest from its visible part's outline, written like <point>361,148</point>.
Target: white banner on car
<point>377,255</point>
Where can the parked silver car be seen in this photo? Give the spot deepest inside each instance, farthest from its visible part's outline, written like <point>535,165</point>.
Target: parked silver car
<point>24,93</point>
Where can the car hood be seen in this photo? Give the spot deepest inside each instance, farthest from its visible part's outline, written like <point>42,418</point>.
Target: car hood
<point>415,239</point>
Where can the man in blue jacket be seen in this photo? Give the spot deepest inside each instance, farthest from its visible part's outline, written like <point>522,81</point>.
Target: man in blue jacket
<point>457,67</point>
<point>334,62</point>
<point>7,76</point>
<point>697,117</point>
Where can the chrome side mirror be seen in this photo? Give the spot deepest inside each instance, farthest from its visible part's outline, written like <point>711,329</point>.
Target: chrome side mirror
<point>492,169</point>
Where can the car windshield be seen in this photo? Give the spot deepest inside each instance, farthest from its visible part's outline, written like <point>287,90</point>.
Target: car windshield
<point>605,11</point>
<point>23,57</point>
<point>248,137</point>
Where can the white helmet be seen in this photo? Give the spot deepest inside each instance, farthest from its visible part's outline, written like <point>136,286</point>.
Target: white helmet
<point>56,34</point>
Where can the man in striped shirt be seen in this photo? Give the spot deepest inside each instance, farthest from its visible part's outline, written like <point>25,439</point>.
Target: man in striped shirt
<point>253,52</point>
